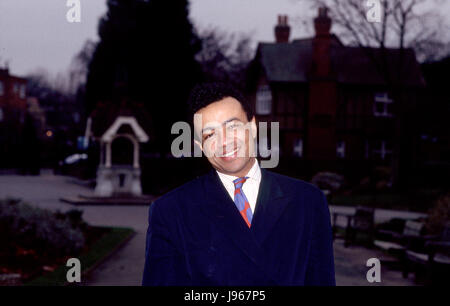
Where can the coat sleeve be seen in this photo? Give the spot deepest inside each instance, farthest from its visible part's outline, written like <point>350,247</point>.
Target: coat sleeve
<point>320,269</point>
<point>164,263</point>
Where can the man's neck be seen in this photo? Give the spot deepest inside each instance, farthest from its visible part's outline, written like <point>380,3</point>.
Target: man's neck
<point>244,171</point>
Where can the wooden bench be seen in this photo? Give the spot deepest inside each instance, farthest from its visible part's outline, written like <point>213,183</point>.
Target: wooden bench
<point>434,261</point>
<point>399,241</point>
<point>362,221</point>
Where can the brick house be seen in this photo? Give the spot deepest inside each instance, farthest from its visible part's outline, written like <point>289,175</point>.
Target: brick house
<point>13,111</point>
<point>332,102</point>
<point>13,95</point>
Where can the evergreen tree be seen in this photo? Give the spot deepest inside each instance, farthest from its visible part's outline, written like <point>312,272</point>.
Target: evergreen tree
<point>147,49</point>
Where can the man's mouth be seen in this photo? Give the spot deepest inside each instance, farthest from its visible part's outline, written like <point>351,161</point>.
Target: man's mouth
<point>229,156</point>
<point>231,153</point>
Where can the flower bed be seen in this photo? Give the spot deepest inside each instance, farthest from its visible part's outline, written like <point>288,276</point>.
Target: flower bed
<point>35,242</point>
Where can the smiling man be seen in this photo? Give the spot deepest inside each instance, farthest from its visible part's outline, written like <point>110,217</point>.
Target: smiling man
<point>239,224</point>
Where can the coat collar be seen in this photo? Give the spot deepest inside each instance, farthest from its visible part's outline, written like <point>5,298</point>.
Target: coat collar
<point>270,204</point>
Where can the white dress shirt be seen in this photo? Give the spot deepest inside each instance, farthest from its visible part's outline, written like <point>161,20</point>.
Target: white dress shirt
<point>250,187</point>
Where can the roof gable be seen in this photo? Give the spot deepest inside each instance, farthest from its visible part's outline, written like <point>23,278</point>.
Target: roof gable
<point>140,134</point>
<point>291,62</point>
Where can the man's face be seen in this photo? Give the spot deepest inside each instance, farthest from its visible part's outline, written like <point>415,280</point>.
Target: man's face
<point>227,137</point>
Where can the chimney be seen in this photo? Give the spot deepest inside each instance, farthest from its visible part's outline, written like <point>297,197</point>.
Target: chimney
<point>322,23</point>
<point>322,45</point>
<point>282,29</point>
<point>321,132</point>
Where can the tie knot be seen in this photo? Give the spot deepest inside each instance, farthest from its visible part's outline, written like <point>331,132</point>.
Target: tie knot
<point>239,182</point>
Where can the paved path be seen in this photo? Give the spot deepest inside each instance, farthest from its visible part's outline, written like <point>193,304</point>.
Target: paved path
<point>381,215</point>
<point>125,267</point>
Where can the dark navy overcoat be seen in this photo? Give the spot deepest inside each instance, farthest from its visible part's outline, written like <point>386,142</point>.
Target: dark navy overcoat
<point>196,236</point>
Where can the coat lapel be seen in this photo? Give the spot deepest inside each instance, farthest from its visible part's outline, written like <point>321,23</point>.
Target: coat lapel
<point>270,204</point>
<point>219,207</point>
<point>223,213</point>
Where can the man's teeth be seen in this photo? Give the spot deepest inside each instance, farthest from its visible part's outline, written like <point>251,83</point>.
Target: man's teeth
<point>230,153</point>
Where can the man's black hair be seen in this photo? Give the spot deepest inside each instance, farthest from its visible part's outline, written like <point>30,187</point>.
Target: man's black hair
<point>206,93</point>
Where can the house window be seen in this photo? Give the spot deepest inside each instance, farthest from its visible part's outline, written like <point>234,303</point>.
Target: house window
<point>340,149</point>
<point>263,100</point>
<point>382,106</point>
<point>22,93</point>
<point>382,150</point>
<point>16,88</point>
<point>1,115</point>
<point>2,89</point>
<point>298,147</point>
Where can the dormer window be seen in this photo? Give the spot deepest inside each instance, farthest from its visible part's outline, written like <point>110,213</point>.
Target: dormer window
<point>263,100</point>
<point>382,106</point>
<point>340,149</point>
<point>298,147</point>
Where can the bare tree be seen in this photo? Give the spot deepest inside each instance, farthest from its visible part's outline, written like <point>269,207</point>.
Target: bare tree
<point>415,24</point>
<point>404,24</point>
<point>224,56</point>
<point>79,66</point>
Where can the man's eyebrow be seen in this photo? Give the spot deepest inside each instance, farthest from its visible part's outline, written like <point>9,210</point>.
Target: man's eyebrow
<point>223,123</point>
<point>230,120</point>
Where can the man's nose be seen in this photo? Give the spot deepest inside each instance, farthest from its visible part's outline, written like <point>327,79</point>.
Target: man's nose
<point>227,138</point>
<point>224,136</point>
<point>222,139</point>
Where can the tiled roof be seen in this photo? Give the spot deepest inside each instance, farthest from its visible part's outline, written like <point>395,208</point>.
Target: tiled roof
<point>291,62</point>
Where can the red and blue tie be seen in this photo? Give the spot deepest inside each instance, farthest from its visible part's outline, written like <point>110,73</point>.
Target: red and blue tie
<point>241,201</point>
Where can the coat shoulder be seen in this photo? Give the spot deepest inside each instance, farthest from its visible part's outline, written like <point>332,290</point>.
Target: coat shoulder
<point>180,194</point>
<point>295,185</point>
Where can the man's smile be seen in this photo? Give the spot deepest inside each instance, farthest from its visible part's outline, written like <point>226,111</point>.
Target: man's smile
<point>228,156</point>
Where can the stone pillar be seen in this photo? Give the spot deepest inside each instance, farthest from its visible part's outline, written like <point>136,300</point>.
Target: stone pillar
<point>104,186</point>
<point>108,155</point>
<point>135,154</point>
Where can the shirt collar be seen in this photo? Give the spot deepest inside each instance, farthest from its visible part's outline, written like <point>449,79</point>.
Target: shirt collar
<point>254,174</point>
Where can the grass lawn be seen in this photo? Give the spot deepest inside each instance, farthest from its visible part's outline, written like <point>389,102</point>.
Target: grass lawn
<point>113,239</point>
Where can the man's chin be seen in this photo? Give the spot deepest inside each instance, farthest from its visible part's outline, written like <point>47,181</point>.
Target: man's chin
<point>233,166</point>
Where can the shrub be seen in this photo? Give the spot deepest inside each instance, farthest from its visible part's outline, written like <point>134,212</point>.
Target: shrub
<point>439,214</point>
<point>329,181</point>
<point>50,234</point>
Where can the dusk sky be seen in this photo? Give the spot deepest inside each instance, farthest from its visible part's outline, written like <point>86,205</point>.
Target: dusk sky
<point>36,34</point>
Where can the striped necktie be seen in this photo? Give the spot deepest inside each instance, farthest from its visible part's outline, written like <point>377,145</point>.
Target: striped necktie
<point>241,201</point>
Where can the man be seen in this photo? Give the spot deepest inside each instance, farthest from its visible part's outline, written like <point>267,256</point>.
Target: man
<point>239,224</point>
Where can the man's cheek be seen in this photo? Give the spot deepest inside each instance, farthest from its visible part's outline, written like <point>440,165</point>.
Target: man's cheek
<point>209,149</point>
<point>242,144</point>
<point>216,150</point>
